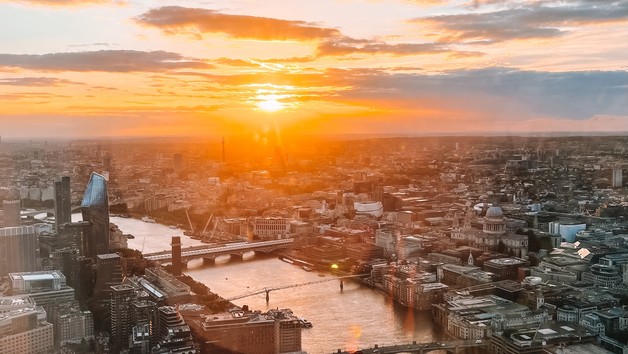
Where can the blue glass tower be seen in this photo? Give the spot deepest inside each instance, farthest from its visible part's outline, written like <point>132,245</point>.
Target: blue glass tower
<point>95,210</point>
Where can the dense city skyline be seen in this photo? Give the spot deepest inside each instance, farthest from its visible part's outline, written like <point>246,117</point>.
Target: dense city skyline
<point>158,68</point>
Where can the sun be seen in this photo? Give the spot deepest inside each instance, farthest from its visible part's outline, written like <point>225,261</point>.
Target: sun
<point>270,105</point>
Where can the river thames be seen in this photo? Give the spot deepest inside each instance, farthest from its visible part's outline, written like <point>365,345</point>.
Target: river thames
<point>356,317</point>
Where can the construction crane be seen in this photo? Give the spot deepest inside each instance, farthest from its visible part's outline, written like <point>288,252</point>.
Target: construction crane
<point>189,221</point>
<point>207,224</point>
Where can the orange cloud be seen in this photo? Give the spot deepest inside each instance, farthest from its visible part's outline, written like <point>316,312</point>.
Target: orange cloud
<point>37,81</point>
<point>177,19</point>
<point>66,2</point>
<point>102,60</point>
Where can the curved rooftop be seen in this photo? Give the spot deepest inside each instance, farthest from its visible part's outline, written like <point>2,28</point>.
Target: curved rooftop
<point>494,212</point>
<point>96,191</point>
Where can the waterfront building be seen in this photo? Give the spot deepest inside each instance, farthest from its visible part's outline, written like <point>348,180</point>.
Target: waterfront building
<point>95,210</point>
<point>166,283</point>
<point>18,249</point>
<point>271,227</point>
<point>26,330</point>
<point>287,331</point>
<point>243,331</point>
<point>363,251</point>
<point>62,202</point>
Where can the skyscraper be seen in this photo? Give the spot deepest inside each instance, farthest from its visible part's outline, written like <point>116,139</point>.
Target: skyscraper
<point>95,209</point>
<point>18,249</point>
<point>63,208</point>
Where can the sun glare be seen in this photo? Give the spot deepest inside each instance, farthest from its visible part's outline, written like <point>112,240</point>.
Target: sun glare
<point>270,105</point>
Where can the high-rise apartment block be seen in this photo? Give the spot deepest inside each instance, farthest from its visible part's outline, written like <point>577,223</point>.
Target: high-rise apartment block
<point>63,207</point>
<point>144,333</point>
<point>121,321</point>
<point>18,249</point>
<point>617,177</point>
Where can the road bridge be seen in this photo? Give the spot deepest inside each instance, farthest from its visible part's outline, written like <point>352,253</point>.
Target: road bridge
<point>459,346</point>
<point>210,252</point>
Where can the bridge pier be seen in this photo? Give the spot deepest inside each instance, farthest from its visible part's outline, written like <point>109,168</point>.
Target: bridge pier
<point>341,286</point>
<point>238,257</point>
<point>209,261</point>
<point>267,296</point>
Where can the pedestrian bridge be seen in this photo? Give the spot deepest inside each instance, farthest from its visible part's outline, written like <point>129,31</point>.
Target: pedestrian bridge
<point>458,346</point>
<point>210,252</point>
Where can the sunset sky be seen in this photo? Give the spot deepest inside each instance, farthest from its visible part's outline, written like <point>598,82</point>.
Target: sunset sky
<point>173,68</point>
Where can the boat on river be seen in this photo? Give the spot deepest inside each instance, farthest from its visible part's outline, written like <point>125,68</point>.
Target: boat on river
<point>147,219</point>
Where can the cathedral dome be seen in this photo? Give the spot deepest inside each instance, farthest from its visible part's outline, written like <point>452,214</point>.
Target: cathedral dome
<point>494,212</point>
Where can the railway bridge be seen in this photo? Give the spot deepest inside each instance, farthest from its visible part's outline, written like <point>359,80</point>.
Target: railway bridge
<point>210,252</point>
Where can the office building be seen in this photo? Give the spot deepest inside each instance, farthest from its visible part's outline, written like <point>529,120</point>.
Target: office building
<point>26,331</point>
<point>48,289</point>
<point>63,207</point>
<point>18,249</point>
<point>95,210</point>
<point>568,232</point>
<point>11,213</point>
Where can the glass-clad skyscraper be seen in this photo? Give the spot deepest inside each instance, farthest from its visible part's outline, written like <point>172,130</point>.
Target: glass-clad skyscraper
<point>95,209</point>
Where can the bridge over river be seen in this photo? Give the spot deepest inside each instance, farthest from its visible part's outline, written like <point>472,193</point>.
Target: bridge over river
<point>210,252</point>
<point>458,346</point>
